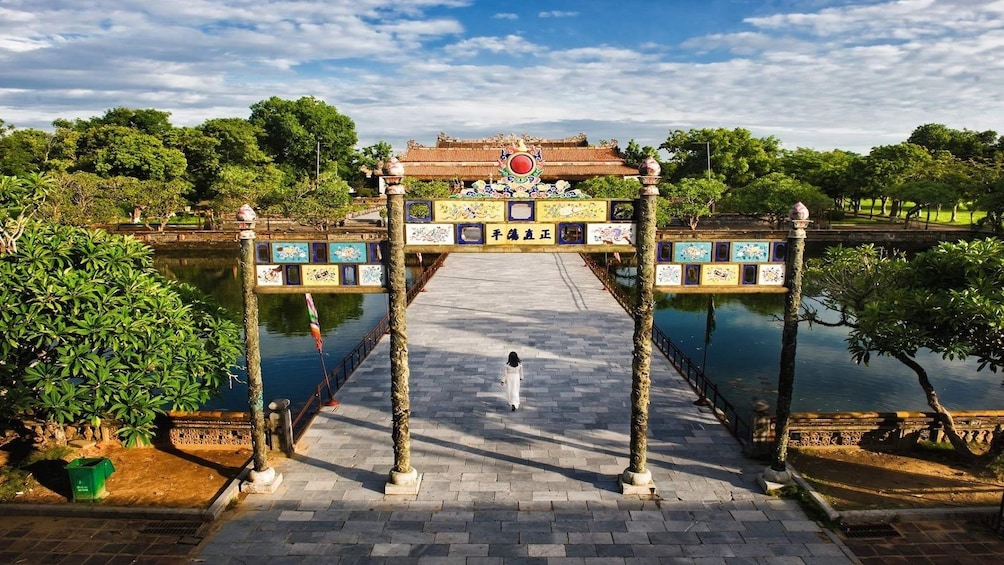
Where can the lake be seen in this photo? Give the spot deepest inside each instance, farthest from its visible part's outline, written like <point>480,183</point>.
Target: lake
<point>742,359</point>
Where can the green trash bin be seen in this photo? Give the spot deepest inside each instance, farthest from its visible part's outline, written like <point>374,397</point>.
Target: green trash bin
<point>87,478</point>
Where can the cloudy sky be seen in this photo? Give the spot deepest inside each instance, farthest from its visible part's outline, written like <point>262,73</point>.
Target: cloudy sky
<point>849,74</point>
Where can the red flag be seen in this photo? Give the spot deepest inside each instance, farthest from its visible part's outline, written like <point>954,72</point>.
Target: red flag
<point>315,327</point>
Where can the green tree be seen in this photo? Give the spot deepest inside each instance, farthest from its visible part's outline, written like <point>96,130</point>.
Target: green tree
<point>964,144</point>
<point>121,151</point>
<point>93,333</point>
<point>771,197</point>
<point>305,136</point>
<point>611,186</point>
<point>691,198</point>
<point>830,171</point>
<point>888,166</point>
<point>20,199</point>
<point>925,195</point>
<point>319,204</point>
<point>157,200</point>
<point>235,185</point>
<point>949,300</point>
<point>84,199</point>
<point>635,155</point>
<point>993,202</point>
<point>426,189</point>
<point>149,121</point>
<point>202,162</point>
<point>370,159</point>
<point>24,151</point>
<point>736,157</point>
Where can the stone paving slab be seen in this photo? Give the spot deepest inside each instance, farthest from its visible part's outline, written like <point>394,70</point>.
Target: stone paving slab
<point>538,485</point>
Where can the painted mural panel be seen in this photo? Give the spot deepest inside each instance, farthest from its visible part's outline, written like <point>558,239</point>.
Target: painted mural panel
<point>720,274</point>
<point>668,275</point>
<point>751,251</point>
<point>469,210</point>
<point>371,275</point>
<point>692,252</point>
<point>290,252</point>
<point>772,274</point>
<point>269,275</point>
<point>347,253</point>
<point>520,234</point>
<point>610,234</point>
<point>572,210</point>
<point>428,234</point>
<point>320,275</point>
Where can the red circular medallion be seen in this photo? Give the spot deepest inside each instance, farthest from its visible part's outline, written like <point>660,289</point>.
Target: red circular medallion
<point>521,164</point>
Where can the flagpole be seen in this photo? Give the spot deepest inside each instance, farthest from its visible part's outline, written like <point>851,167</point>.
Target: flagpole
<point>315,331</point>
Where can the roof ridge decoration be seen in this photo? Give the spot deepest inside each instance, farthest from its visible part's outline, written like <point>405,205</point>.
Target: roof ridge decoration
<point>520,167</point>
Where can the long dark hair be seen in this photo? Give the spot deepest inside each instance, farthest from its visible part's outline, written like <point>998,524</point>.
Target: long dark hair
<point>513,359</point>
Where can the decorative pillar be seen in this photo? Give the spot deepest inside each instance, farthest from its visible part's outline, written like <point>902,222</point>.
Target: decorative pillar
<point>777,474</point>
<point>637,479</point>
<point>261,478</point>
<point>403,478</point>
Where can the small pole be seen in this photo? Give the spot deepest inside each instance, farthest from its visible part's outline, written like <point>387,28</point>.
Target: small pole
<point>637,479</point>
<point>778,471</point>
<point>262,477</point>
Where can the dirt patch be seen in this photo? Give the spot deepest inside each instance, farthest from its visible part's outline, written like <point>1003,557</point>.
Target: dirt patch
<point>860,479</point>
<point>143,477</point>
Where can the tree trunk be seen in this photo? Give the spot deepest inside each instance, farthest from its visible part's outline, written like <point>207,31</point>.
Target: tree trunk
<point>947,422</point>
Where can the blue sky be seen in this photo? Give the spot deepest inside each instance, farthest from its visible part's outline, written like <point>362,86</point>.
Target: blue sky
<point>849,74</point>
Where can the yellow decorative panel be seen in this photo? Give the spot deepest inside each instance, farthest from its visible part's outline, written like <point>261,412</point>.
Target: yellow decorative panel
<point>520,234</point>
<point>469,210</point>
<point>572,211</point>
<point>720,274</point>
<point>320,275</point>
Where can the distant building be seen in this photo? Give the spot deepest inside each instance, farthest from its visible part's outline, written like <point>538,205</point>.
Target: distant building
<point>464,161</point>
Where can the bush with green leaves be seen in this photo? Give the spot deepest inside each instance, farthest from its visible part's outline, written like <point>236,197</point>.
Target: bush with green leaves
<point>91,332</point>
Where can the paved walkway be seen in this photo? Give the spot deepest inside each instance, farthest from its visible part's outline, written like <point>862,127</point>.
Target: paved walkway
<point>534,486</point>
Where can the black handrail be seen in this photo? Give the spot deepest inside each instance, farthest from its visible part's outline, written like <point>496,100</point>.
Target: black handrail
<point>694,374</point>
<point>326,389</point>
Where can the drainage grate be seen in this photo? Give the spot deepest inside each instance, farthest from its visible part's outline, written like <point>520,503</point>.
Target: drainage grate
<point>173,528</point>
<point>870,531</point>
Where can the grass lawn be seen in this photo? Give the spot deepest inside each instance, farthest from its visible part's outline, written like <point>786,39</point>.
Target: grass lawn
<point>962,217</point>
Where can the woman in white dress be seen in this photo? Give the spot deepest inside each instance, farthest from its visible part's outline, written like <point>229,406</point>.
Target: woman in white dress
<point>512,374</point>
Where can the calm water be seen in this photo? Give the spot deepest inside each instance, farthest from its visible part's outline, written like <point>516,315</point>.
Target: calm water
<point>743,356</point>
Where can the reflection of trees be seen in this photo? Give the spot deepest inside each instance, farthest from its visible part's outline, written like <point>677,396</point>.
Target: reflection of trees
<point>762,304</point>
<point>286,314</point>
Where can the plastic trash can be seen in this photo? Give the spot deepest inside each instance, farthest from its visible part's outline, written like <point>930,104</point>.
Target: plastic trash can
<point>87,478</point>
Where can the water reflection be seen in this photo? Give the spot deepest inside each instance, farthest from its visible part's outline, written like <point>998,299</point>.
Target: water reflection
<point>742,359</point>
<point>290,364</point>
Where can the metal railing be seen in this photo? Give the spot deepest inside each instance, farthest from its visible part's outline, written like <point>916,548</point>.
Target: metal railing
<point>693,373</point>
<point>326,389</point>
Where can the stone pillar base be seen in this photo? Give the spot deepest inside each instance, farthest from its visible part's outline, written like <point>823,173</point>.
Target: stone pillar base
<point>403,483</point>
<point>771,480</point>
<point>637,483</point>
<point>261,482</point>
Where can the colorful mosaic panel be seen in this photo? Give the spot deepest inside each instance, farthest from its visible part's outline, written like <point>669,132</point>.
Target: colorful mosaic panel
<point>347,253</point>
<point>469,210</point>
<point>290,252</point>
<point>610,234</point>
<point>572,211</point>
<point>692,252</point>
<point>320,275</point>
<point>719,274</point>
<point>771,274</point>
<point>520,234</point>
<point>428,234</point>
<point>372,275</point>
<point>668,275</point>
<point>269,275</point>
<point>751,251</point>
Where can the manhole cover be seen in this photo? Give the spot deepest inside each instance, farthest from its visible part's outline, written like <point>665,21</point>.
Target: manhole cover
<point>869,531</point>
<point>172,528</point>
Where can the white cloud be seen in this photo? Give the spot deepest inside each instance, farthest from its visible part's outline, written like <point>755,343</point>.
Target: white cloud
<point>557,14</point>
<point>505,16</point>
<point>851,77</point>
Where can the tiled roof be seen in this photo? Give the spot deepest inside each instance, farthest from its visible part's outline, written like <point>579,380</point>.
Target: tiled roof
<point>467,163</point>
<point>480,171</point>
